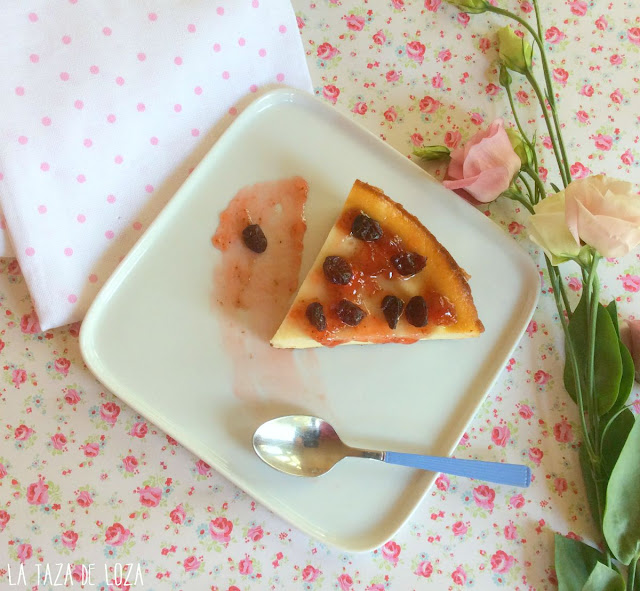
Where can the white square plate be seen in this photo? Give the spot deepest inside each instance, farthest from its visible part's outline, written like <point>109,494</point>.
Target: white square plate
<point>153,338</point>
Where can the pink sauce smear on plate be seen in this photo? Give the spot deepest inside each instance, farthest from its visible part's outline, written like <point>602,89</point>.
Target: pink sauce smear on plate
<point>253,292</point>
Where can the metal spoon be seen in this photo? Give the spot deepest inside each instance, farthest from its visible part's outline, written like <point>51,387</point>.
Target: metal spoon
<point>309,446</point>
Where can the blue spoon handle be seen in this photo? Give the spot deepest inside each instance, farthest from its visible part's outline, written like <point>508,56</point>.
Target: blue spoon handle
<point>512,474</point>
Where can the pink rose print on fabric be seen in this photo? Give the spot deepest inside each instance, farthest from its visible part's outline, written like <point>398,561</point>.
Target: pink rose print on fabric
<point>417,139</point>
<point>510,531</point>
<point>255,533</point>
<point>525,411</point>
<point>91,450</point>
<point>203,468</point>
<point>459,528</point>
<point>220,529</point>
<point>345,582</point>
<point>360,108</point>
<point>484,496</point>
<point>560,485</point>
<point>3,471</point>
<point>442,482</point>
<point>58,441</point>
<point>574,284</point>
<point>459,576</point>
<point>432,5</point>
<point>541,377</point>
<point>379,38</point>
<point>150,496</point>
<point>245,566</point>
<point>452,139</point>
<point>37,493</point>
<point>425,569</point>
<point>627,158</point>
<point>18,377</point>
<point>501,562</point>
<point>178,515</point>
<point>354,22</point>
<point>25,551</point>
<point>603,142</point>
<point>4,519</point>
<point>116,534</point>
<point>390,114</point>
<point>191,563</point>
<point>84,498</point>
<point>310,573</point>
<point>331,93</point>
<point>415,51</point>
<point>517,501</point>
<point>69,539</point>
<point>500,435</point>
<point>109,412</point>
<point>391,552</point>
<point>535,455</point>
<point>62,365</point>
<point>578,7</point>
<point>130,463</point>
<point>554,35</point>
<point>139,430</point>
<point>630,282</point>
<point>633,34</point>
<point>562,432</point>
<point>429,105</point>
<point>29,323</point>
<point>392,76</point>
<point>71,396</point>
<point>444,55</point>
<point>326,51</point>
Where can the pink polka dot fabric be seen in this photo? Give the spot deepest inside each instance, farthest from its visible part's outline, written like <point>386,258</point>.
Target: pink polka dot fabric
<point>106,107</point>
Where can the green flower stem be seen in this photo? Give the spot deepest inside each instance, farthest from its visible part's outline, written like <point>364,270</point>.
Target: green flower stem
<point>537,180</point>
<point>555,280</point>
<point>520,129</point>
<point>632,580</point>
<point>552,135</point>
<point>594,288</point>
<point>610,422</point>
<point>554,114</point>
<point>520,199</point>
<point>528,186</point>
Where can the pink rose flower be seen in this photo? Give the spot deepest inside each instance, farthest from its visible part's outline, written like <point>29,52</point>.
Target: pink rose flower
<point>84,498</point>
<point>354,22</point>
<point>444,55</point>
<point>425,569</point>
<point>630,334</point>
<point>476,118</point>
<point>255,533</point>
<point>562,432</point>
<point>116,534</point>
<point>452,139</point>
<point>554,35</point>
<point>37,493</point>
<point>587,90</point>
<point>578,7</point>
<point>391,552</point>
<point>109,412</point>
<point>522,97</point>
<point>69,539</point>
<point>429,105</point>
<point>526,7</point>
<point>485,165</point>
<point>331,93</point>
<point>510,531</point>
<point>379,38</point>
<point>615,59</point>
<point>91,450</point>
<point>459,528</point>
<point>601,23</point>
<point>326,51</point>
<point>139,430</point>
<point>582,116</point>
<point>616,96</point>
<point>130,463</point>
<point>178,515</point>
<point>603,142</point>
<point>150,496</point>
<point>345,582</point>
<point>390,114</point>
<point>62,365</point>
<point>203,468</point>
<point>58,441</point>
<point>417,139</point>
<point>360,108</point>
<point>579,171</point>
<point>484,496</point>
<point>398,4</point>
<point>310,574</point>
<point>633,34</point>
<point>517,501</point>
<point>525,411</point>
<point>463,18</point>
<point>560,484</point>
<point>603,213</point>
<point>415,51</point>
<point>627,158</point>
<point>191,563</point>
<point>459,576</point>
<point>220,529</point>
<point>22,433</point>
<point>500,435</point>
<point>392,76</point>
<point>535,455</point>
<point>574,284</point>
<point>24,552</point>
<point>541,377</point>
<point>245,566</point>
<point>436,81</point>
<point>501,562</point>
<point>18,376</point>
<point>492,89</point>
<point>71,396</point>
<point>630,282</point>
<point>29,323</point>
<point>4,519</point>
<point>432,5</point>
<point>442,482</point>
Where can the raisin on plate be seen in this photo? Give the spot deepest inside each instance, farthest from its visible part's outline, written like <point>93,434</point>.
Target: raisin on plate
<point>315,315</point>
<point>350,313</point>
<point>254,238</point>
<point>392,307</point>
<point>366,228</point>
<point>337,270</point>
<point>408,263</point>
<point>417,311</point>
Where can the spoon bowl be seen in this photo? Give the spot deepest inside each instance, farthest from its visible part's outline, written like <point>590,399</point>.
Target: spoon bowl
<point>304,445</point>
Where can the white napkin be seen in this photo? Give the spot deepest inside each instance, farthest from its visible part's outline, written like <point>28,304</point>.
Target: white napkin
<point>106,107</point>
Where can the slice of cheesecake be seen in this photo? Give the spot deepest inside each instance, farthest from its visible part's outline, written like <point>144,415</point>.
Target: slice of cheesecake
<point>380,277</point>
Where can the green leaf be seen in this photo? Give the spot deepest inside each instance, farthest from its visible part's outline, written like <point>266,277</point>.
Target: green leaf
<point>574,563</point>
<point>615,439</point>
<point>604,578</point>
<point>555,187</point>
<point>621,523</point>
<point>612,309</point>
<point>590,484</point>
<point>607,359</point>
<point>628,367</point>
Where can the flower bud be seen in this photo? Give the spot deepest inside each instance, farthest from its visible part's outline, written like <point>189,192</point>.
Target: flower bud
<point>520,147</point>
<point>505,77</point>
<point>432,152</point>
<point>515,53</point>
<point>471,6</point>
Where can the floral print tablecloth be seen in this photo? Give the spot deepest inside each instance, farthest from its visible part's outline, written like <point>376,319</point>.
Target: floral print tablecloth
<point>85,481</point>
